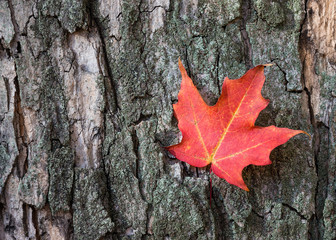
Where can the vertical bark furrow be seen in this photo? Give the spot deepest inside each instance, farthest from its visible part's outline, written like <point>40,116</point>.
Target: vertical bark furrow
<point>245,12</point>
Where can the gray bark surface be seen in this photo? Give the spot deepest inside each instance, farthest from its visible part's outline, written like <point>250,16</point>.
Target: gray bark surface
<point>86,94</point>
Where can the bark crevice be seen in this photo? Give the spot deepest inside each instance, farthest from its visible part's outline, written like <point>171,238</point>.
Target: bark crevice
<point>20,132</point>
<point>245,12</point>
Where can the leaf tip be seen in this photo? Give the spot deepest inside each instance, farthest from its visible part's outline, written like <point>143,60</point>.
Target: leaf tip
<point>307,134</point>
<point>180,64</point>
<point>182,69</point>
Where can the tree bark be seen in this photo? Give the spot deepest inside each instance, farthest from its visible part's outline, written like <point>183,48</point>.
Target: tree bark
<point>86,94</point>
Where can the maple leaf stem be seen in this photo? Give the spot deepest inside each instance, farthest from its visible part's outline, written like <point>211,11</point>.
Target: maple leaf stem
<point>210,183</point>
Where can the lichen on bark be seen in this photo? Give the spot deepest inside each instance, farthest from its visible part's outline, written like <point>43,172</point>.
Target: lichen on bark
<point>91,217</point>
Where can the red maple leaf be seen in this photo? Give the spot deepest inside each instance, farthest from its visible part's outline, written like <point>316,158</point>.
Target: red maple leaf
<point>224,135</point>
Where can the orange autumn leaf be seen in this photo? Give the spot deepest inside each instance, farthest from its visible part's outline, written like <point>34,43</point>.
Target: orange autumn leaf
<point>224,135</point>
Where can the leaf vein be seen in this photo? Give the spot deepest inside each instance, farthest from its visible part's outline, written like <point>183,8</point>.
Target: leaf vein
<point>199,131</point>
<point>229,124</point>
<point>240,152</point>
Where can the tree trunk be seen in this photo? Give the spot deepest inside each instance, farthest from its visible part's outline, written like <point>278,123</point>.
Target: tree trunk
<point>86,94</point>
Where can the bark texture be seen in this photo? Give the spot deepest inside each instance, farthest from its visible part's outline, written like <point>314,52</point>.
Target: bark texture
<point>86,93</point>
